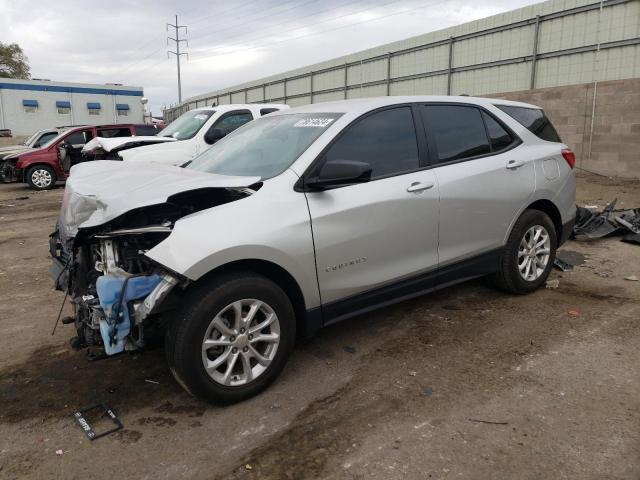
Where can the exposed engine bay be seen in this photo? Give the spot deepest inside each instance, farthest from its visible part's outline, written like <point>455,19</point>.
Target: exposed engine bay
<point>118,294</point>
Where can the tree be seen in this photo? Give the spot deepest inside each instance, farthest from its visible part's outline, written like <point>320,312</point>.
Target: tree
<point>13,62</point>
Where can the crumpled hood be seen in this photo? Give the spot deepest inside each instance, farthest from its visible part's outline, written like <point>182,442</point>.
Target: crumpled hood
<point>12,150</point>
<point>121,143</point>
<point>100,191</point>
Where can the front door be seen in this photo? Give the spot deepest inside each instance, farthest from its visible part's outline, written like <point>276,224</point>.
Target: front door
<point>75,142</point>
<point>370,237</point>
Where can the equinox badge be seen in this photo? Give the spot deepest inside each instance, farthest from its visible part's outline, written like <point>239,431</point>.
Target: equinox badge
<point>350,263</point>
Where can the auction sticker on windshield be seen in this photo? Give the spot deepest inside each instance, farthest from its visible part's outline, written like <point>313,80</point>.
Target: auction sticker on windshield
<point>313,122</point>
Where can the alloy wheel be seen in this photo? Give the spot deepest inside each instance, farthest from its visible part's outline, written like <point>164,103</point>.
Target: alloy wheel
<point>534,253</point>
<point>241,342</point>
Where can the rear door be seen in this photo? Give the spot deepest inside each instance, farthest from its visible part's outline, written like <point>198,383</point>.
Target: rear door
<point>485,178</point>
<point>369,237</point>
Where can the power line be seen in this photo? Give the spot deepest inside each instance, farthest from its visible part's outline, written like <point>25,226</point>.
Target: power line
<point>260,18</point>
<point>234,8</point>
<point>177,53</point>
<point>319,32</point>
<point>297,19</point>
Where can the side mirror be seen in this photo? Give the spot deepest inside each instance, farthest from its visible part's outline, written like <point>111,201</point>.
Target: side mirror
<point>213,135</point>
<point>339,172</point>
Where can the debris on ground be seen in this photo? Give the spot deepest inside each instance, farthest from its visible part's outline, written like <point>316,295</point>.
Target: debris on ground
<point>631,278</point>
<point>412,373</point>
<point>349,349</point>
<point>562,265</point>
<point>59,452</point>
<point>592,223</point>
<point>151,381</point>
<point>602,274</point>
<point>248,467</point>
<point>489,422</point>
<point>573,313</point>
<point>571,257</point>
<point>106,412</point>
<point>425,391</point>
<point>555,283</point>
<point>632,238</point>
<point>452,307</point>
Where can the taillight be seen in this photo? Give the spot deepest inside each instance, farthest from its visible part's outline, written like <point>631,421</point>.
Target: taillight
<point>570,157</point>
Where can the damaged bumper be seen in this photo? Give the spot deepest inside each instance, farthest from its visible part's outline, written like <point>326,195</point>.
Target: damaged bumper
<point>112,312</point>
<point>102,237</point>
<point>8,171</point>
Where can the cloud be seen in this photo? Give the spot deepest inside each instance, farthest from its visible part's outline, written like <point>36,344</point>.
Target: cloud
<point>125,41</point>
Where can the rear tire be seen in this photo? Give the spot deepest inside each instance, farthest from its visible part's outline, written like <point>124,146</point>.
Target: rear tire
<point>528,255</point>
<point>214,345</point>
<point>41,177</point>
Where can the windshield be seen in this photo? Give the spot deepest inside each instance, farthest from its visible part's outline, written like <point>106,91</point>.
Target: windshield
<point>265,147</point>
<point>187,124</point>
<point>45,139</point>
<point>31,139</point>
<point>54,139</point>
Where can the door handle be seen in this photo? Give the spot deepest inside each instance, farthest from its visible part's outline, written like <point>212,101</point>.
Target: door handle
<point>419,186</point>
<point>513,164</point>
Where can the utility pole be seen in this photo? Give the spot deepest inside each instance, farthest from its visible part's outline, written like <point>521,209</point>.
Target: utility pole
<point>177,53</point>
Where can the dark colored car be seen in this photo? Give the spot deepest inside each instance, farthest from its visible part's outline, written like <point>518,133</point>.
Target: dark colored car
<point>43,167</point>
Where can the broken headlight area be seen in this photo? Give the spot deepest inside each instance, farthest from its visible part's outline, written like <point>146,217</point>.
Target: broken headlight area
<point>115,290</point>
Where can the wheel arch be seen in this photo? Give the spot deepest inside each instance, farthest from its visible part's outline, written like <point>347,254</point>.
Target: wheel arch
<point>548,207</point>
<point>276,274</point>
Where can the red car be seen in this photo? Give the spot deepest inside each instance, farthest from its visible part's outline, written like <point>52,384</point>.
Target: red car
<point>43,167</point>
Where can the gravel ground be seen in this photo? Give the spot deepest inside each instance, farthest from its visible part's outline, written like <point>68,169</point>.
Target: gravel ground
<point>465,383</point>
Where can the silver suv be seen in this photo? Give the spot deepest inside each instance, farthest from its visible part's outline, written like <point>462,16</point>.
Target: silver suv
<point>304,218</point>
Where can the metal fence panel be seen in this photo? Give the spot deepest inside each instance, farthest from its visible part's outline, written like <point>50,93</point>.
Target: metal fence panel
<point>548,44</point>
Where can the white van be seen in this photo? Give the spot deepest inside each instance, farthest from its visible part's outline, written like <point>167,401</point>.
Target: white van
<point>196,130</point>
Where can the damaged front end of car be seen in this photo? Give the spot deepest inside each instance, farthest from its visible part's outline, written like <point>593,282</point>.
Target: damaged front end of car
<point>118,294</point>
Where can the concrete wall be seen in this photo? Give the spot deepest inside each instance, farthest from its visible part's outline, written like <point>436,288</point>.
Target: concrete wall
<point>614,147</point>
<point>46,93</point>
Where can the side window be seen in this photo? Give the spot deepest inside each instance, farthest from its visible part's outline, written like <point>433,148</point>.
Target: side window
<point>114,132</point>
<point>44,139</point>
<point>534,120</point>
<point>147,130</point>
<point>385,140</point>
<point>265,111</point>
<point>233,120</point>
<point>458,131</point>
<point>78,139</point>
<point>498,136</point>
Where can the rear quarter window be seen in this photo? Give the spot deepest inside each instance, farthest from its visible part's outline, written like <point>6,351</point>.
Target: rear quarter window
<point>534,120</point>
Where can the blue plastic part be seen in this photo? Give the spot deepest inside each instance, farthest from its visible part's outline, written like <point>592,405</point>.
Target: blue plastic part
<point>109,288</point>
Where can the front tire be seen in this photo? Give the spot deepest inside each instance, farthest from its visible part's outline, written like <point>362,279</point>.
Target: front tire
<point>41,177</point>
<point>528,255</point>
<point>231,338</point>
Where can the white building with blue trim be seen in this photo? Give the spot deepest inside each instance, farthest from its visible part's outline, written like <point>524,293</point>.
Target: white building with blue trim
<point>30,105</point>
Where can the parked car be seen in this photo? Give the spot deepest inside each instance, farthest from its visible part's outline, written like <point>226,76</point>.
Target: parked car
<point>305,218</point>
<point>196,130</point>
<point>41,168</point>
<point>5,133</point>
<point>36,140</point>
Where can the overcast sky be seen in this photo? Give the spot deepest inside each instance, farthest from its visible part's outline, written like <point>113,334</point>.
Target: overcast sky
<point>122,41</point>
